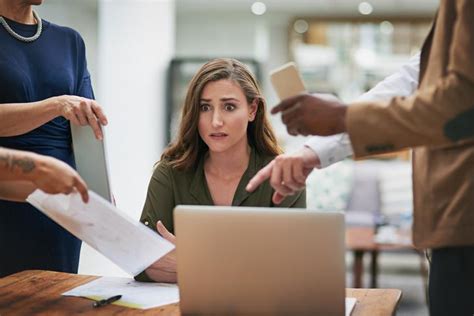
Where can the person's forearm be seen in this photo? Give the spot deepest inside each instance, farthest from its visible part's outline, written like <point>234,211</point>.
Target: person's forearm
<point>17,165</point>
<point>16,191</point>
<point>20,118</point>
<point>414,121</point>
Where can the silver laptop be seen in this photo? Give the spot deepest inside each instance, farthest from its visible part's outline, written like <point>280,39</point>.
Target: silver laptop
<point>259,261</point>
<point>91,160</point>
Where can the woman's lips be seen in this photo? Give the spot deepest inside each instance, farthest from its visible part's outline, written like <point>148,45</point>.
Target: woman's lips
<point>218,135</point>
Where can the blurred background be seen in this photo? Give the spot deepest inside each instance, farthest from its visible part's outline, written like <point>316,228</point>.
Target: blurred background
<point>142,54</point>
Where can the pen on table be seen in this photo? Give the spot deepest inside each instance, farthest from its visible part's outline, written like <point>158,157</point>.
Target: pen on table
<point>107,301</point>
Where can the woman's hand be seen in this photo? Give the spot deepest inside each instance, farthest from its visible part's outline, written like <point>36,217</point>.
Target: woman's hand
<point>164,269</point>
<point>82,111</point>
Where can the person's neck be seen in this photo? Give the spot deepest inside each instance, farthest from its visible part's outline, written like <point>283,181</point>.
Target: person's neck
<point>229,164</point>
<point>18,12</point>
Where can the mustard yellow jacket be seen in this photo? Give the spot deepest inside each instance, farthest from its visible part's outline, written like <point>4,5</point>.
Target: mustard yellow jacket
<point>438,119</point>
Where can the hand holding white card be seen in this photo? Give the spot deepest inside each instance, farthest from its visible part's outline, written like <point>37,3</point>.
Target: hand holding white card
<point>128,243</point>
<point>287,81</point>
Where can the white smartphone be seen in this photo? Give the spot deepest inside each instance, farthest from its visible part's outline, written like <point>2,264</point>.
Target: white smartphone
<point>286,81</point>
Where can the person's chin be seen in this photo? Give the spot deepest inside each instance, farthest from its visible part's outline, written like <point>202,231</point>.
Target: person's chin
<point>218,147</point>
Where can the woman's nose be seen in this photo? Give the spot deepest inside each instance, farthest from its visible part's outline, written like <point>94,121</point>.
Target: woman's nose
<point>217,120</point>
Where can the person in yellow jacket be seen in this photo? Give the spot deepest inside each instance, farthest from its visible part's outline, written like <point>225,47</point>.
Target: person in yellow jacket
<point>437,120</point>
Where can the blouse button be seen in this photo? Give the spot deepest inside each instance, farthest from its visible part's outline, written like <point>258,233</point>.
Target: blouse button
<point>146,223</point>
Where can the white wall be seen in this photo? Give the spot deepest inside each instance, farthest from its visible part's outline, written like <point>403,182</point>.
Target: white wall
<point>136,44</point>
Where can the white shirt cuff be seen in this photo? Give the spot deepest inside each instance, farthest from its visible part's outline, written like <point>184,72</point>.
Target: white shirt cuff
<point>331,149</point>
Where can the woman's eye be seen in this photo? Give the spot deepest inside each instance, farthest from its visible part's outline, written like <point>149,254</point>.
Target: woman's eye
<point>205,107</point>
<point>229,107</point>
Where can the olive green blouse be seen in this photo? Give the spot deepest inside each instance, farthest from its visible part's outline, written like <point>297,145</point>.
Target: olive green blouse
<point>170,187</point>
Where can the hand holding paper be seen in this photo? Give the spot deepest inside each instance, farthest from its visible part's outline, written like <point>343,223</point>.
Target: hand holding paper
<point>164,269</point>
<point>128,243</point>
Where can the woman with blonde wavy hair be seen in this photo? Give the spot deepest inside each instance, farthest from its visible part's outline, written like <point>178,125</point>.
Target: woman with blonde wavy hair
<point>224,138</point>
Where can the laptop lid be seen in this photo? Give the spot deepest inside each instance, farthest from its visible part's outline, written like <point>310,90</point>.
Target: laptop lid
<point>275,261</point>
<point>91,160</point>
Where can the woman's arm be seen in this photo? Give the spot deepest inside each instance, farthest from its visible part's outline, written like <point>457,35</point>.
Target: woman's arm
<point>20,118</point>
<point>16,191</point>
<point>164,269</point>
<point>158,207</point>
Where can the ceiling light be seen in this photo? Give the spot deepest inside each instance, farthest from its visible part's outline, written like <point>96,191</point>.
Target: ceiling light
<point>365,8</point>
<point>258,8</point>
<point>386,27</point>
<point>300,26</point>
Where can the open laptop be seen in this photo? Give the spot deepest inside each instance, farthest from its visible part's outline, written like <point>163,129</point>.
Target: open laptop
<point>259,261</point>
<point>91,160</point>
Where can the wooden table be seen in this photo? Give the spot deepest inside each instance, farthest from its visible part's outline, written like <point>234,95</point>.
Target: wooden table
<point>37,292</point>
<point>360,240</point>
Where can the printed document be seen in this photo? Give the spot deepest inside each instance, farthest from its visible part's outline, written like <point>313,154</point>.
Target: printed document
<point>350,304</point>
<point>134,294</point>
<point>127,242</point>
<point>142,295</point>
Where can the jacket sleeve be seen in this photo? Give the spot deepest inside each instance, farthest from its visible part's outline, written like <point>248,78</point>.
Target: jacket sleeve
<point>434,115</point>
<point>159,204</point>
<point>159,201</point>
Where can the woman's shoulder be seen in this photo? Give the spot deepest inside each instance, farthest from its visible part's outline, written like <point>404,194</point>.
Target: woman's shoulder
<point>164,168</point>
<point>162,173</point>
<point>64,31</point>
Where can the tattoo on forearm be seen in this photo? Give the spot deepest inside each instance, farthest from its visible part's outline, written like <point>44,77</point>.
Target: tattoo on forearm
<point>9,162</point>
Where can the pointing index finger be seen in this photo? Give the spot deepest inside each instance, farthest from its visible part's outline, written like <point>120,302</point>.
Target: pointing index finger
<point>260,177</point>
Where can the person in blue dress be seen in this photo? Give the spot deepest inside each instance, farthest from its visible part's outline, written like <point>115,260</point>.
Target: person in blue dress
<point>44,86</point>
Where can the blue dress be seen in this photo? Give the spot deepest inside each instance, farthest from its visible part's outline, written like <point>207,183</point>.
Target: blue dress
<point>53,65</point>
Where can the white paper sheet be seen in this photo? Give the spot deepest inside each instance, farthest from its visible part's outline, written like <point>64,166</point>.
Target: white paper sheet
<point>143,295</point>
<point>350,304</point>
<point>134,294</point>
<point>127,242</point>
